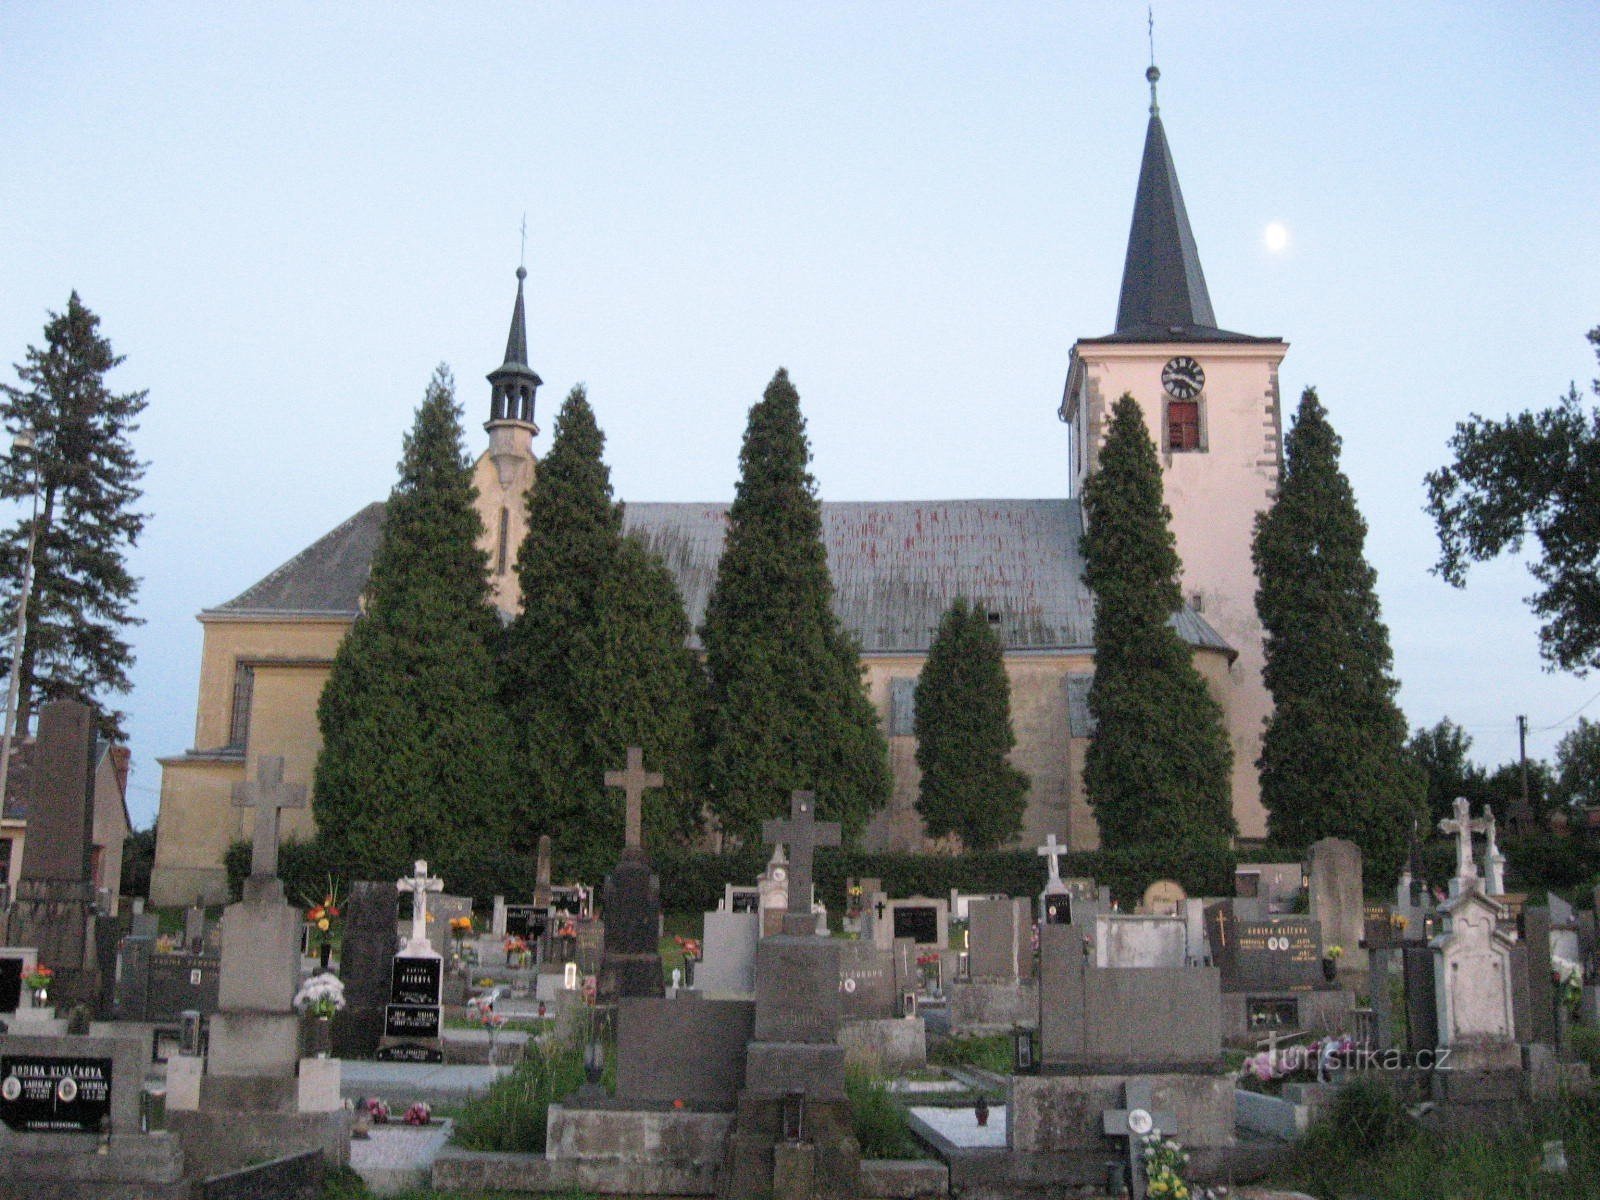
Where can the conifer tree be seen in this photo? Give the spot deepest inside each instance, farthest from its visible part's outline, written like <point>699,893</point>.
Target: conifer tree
<point>87,479</point>
<point>788,708</point>
<point>415,758</point>
<point>1333,760</point>
<point>1158,769</point>
<point>596,661</point>
<point>963,728</point>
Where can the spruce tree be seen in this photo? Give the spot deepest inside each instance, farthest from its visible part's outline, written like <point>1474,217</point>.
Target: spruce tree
<point>788,708</point>
<point>596,661</point>
<point>963,728</point>
<point>415,758</point>
<point>1333,760</point>
<point>87,477</point>
<point>1158,769</point>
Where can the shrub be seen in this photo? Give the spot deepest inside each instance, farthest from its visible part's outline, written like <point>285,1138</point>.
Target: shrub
<point>879,1123</point>
<point>993,1052</point>
<point>1368,1112</point>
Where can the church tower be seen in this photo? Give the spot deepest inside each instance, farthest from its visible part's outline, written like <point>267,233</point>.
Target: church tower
<point>1210,400</point>
<point>505,471</point>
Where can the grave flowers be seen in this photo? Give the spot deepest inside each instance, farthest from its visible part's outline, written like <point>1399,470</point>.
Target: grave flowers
<point>320,996</point>
<point>377,1110</point>
<point>460,931</point>
<point>1568,977</point>
<point>1164,1162</point>
<point>517,950</point>
<point>323,917</point>
<point>1330,962</point>
<point>418,1114</point>
<point>37,981</point>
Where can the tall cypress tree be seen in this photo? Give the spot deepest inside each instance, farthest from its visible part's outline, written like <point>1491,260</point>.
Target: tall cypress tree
<point>788,708</point>
<point>1158,769</point>
<point>87,478</point>
<point>596,661</point>
<point>415,758</point>
<point>963,728</point>
<point>1333,761</point>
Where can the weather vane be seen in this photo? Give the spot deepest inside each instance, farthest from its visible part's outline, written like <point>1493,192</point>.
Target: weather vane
<point>1154,72</point>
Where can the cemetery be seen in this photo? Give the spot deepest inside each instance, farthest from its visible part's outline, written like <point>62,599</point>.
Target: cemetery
<point>984,1044</point>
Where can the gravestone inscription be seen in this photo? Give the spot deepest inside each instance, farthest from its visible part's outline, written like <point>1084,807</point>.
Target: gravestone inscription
<point>54,1093</point>
<point>918,922</point>
<point>1276,954</point>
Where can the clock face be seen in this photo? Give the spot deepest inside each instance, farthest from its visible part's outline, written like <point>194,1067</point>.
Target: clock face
<point>1183,378</point>
<point>779,875</point>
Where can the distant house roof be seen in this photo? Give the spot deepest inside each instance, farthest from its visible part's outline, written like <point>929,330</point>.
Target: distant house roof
<point>19,779</point>
<point>896,566</point>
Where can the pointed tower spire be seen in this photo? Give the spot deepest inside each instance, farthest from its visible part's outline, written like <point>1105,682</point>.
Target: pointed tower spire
<point>514,382</point>
<point>1164,293</point>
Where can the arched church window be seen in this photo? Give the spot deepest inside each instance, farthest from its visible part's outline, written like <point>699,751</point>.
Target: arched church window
<point>500,547</point>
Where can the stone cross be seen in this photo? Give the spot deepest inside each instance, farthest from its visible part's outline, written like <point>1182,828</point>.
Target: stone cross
<point>1053,850</point>
<point>267,795</point>
<point>633,783</point>
<point>1462,826</point>
<point>1494,863</point>
<point>802,833</point>
<point>1135,1121</point>
<point>419,884</point>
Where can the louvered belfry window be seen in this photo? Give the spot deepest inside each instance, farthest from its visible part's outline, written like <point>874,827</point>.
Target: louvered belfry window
<point>1183,425</point>
<point>244,681</point>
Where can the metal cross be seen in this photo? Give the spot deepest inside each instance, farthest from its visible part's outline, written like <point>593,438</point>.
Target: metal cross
<point>1462,826</point>
<point>1222,928</point>
<point>802,833</point>
<point>267,795</point>
<point>1053,851</point>
<point>419,884</point>
<point>633,783</point>
<point>1136,1121</point>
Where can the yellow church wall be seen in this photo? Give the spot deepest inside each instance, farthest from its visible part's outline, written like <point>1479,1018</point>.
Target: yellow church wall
<point>230,641</point>
<point>503,474</point>
<point>194,830</point>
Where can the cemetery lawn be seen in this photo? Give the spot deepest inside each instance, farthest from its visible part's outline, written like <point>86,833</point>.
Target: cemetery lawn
<point>991,1053</point>
<point>1346,1156</point>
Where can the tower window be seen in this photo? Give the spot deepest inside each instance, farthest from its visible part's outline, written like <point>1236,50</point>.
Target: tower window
<point>244,682</point>
<point>500,549</point>
<point>1183,425</point>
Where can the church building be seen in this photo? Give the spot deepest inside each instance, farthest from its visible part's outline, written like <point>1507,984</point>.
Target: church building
<point>1210,399</point>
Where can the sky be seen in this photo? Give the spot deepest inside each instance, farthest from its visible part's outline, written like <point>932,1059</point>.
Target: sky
<point>286,215</point>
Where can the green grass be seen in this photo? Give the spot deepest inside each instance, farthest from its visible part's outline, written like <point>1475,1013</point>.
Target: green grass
<point>1585,1045</point>
<point>993,1052</point>
<point>879,1123</point>
<point>510,1116</point>
<point>1368,1148</point>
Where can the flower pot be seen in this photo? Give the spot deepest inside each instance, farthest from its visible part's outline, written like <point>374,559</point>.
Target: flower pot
<point>320,1038</point>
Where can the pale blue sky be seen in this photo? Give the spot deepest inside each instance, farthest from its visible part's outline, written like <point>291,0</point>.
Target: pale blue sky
<point>286,215</point>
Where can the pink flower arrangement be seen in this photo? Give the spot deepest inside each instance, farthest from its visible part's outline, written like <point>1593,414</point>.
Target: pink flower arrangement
<point>418,1114</point>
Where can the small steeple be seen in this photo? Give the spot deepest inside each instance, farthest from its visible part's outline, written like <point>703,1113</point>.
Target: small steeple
<point>514,382</point>
<point>1164,293</point>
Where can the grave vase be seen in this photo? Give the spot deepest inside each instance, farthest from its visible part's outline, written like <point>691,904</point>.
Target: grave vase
<point>319,1036</point>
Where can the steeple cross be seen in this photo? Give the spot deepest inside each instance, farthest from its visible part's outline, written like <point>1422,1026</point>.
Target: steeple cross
<point>419,883</point>
<point>802,833</point>
<point>1463,827</point>
<point>267,795</point>
<point>633,783</point>
<point>1053,850</point>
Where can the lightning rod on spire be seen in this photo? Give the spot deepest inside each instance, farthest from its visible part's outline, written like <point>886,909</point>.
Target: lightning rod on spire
<point>1153,73</point>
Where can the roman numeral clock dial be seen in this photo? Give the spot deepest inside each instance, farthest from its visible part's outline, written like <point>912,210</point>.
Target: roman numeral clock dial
<point>1183,378</point>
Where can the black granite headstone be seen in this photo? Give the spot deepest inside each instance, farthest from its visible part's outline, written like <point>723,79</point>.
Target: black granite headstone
<point>10,984</point>
<point>1541,983</point>
<point>919,922</point>
<point>631,902</point>
<point>54,1094</point>
<point>366,960</point>
<point>1422,1017</point>
<point>178,983</point>
<point>1276,954</point>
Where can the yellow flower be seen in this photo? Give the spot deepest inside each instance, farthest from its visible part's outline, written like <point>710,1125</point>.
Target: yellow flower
<point>323,924</point>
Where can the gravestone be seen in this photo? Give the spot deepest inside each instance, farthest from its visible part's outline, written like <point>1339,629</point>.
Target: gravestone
<point>866,982</point>
<point>442,909</point>
<point>1140,941</point>
<point>1277,954</point>
<point>54,908</point>
<point>366,960</point>
<point>728,967</point>
<point>413,1018</point>
<point>194,928</point>
<point>923,921</point>
<point>998,940</point>
<point>1462,826</point>
<point>541,878</point>
<point>1473,982</point>
<point>10,983</point>
<point>1337,903</point>
<point>1137,1119</point>
<point>1267,889</point>
<point>180,983</point>
<point>1421,997</point>
<point>1537,938</point>
<point>631,898</point>
<point>791,1135</point>
<point>1163,898</point>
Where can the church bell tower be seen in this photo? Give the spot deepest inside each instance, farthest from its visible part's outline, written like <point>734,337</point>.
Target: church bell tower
<point>1210,401</point>
<point>505,472</point>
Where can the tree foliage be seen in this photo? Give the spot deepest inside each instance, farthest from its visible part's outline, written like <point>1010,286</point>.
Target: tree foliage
<point>1577,769</point>
<point>415,748</point>
<point>87,479</point>
<point>788,708</point>
<point>1333,761</point>
<point>1534,474</point>
<point>963,728</point>
<point>1441,753</point>
<point>1158,769</point>
<point>596,661</point>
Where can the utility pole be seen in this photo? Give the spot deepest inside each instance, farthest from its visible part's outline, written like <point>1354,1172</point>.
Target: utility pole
<point>1525,810</point>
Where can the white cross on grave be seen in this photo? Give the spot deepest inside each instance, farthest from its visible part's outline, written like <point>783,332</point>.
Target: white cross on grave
<point>633,783</point>
<point>1053,850</point>
<point>1462,827</point>
<point>1136,1121</point>
<point>802,833</point>
<point>419,883</point>
<point>268,795</point>
<point>1494,863</point>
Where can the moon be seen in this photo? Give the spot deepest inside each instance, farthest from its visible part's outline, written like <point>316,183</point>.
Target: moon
<point>1276,236</point>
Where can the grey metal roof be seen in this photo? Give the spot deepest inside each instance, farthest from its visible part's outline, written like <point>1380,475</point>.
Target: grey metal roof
<point>1164,296</point>
<point>896,566</point>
